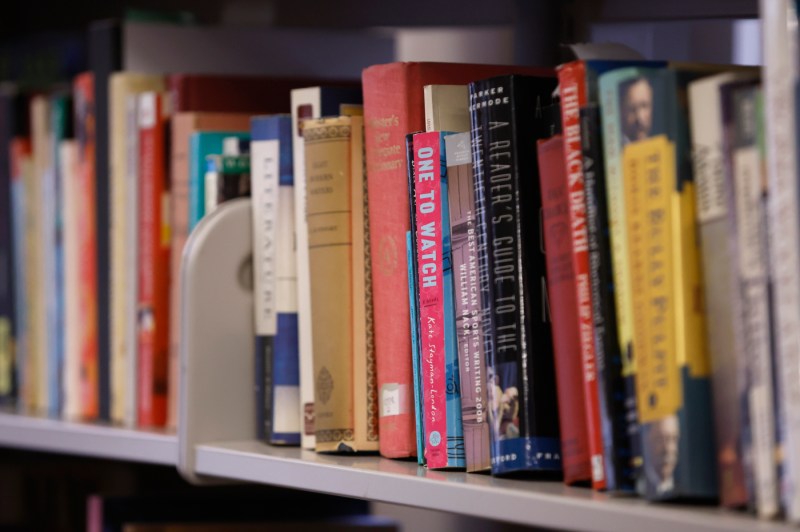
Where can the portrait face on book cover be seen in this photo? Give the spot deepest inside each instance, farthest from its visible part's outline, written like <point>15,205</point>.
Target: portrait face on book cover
<point>636,109</point>
<point>661,453</point>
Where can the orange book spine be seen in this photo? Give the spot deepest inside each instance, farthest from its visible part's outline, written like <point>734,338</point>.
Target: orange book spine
<point>154,262</point>
<point>87,245</point>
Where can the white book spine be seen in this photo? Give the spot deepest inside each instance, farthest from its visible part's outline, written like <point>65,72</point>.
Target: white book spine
<point>305,102</point>
<point>72,322</point>
<point>779,30</point>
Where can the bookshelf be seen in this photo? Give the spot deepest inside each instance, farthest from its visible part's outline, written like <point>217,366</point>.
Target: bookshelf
<point>238,456</point>
<point>88,439</point>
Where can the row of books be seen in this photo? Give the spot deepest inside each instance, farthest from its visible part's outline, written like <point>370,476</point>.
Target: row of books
<point>542,281</point>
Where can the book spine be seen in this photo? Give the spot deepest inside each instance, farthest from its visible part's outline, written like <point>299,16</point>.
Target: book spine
<point>87,246</point>
<point>38,261</point>
<point>522,385</point>
<point>265,180</point>
<point>746,193</point>
<point>20,152</point>
<point>275,278</point>
<point>780,75</point>
<point>441,395</point>
<point>413,289</point>
<point>365,395</point>
<point>69,197</point>
<point>461,200</point>
<point>153,263</point>
<point>59,119</point>
<point>620,265</point>
<point>305,104</point>
<point>563,309</point>
<point>572,87</point>
<point>8,334</point>
<point>327,144</point>
<point>285,369</point>
<point>723,300</point>
<point>105,45</point>
<point>131,260</point>
<point>387,119</point>
<point>617,426</point>
<point>413,297</point>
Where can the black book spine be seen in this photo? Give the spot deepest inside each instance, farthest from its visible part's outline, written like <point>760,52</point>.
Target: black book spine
<point>520,368</point>
<point>618,417</point>
<point>105,58</point>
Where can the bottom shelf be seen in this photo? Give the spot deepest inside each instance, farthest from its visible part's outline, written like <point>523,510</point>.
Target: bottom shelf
<point>540,503</point>
<point>88,439</point>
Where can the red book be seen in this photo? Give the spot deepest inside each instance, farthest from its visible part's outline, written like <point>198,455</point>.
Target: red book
<point>572,91</point>
<point>563,309</point>
<point>87,245</point>
<point>238,94</point>
<point>393,107</point>
<point>154,260</point>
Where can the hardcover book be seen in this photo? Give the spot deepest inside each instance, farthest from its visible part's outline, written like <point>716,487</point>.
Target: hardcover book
<point>472,366</point>
<point>669,335</point>
<point>60,127</point>
<point>70,215</point>
<point>393,107</point>
<point>275,281</point>
<point>441,386</point>
<point>563,311</point>
<point>153,273</point>
<point>310,102</point>
<point>346,408</point>
<point>86,134</point>
<point>19,163</point>
<point>746,204</point>
<point>779,38</point>
<point>446,108</point>
<point>122,85</point>
<point>720,276</point>
<point>38,253</point>
<point>519,355</point>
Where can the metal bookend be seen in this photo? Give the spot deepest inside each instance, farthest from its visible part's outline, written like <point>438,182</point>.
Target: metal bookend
<point>216,401</point>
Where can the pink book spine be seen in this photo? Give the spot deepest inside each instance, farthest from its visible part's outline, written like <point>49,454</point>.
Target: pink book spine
<point>431,296</point>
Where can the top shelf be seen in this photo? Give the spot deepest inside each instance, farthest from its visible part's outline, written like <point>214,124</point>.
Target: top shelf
<point>539,503</point>
<point>85,439</point>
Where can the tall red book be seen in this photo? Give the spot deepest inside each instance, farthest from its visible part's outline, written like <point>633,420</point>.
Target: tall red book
<point>87,246</point>
<point>573,94</point>
<point>393,107</point>
<point>563,310</point>
<point>154,262</point>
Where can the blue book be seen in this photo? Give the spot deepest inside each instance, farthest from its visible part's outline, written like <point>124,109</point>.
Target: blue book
<point>275,281</point>
<point>60,118</point>
<point>20,272</point>
<point>415,354</point>
<point>202,144</point>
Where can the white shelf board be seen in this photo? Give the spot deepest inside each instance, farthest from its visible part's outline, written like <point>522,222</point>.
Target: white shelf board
<point>540,503</point>
<point>87,439</point>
